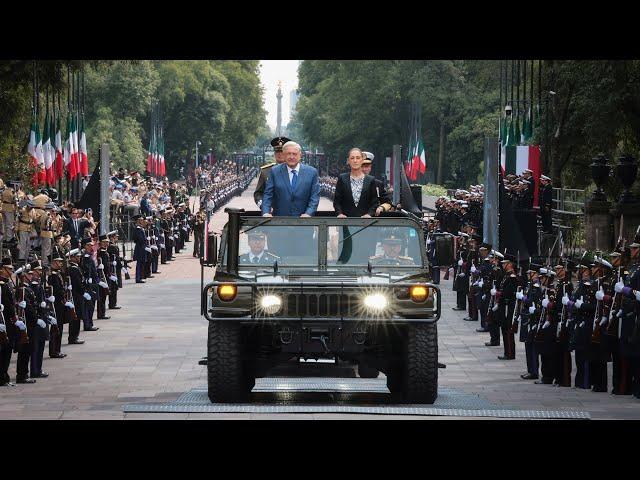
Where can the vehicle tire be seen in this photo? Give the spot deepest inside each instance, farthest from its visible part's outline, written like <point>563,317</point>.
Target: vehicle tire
<point>365,371</point>
<point>394,380</point>
<point>421,363</point>
<point>227,382</point>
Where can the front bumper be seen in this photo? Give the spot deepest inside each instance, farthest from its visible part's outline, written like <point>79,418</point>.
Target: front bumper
<point>245,309</point>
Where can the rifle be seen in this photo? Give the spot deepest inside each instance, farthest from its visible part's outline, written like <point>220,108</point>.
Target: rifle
<point>23,336</point>
<point>543,314</point>
<point>561,329</point>
<point>68,296</point>
<point>489,315</point>
<point>612,323</point>
<point>50,309</point>
<point>596,332</point>
<point>4,339</point>
<point>515,319</point>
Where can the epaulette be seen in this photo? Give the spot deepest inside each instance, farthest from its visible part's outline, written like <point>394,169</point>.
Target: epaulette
<point>271,254</point>
<point>513,275</point>
<point>268,165</point>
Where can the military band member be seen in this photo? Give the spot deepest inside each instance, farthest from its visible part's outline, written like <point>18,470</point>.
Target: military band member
<point>277,144</point>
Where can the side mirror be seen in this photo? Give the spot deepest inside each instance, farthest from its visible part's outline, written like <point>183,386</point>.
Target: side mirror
<point>212,251</point>
<point>444,250</point>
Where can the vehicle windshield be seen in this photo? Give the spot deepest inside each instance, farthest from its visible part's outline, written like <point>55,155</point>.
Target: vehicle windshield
<point>288,245</point>
<point>380,245</point>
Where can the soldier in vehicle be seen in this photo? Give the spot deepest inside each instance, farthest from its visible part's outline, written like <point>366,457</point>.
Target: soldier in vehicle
<point>277,144</point>
<point>391,246</point>
<point>258,254</point>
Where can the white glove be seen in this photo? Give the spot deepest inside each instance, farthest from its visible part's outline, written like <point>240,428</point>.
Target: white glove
<point>148,239</point>
<point>545,303</point>
<point>519,295</point>
<point>155,247</point>
<point>460,262</point>
<point>114,263</point>
<point>53,321</point>
<point>70,287</point>
<point>619,314</point>
<point>532,310</point>
<point>579,302</point>
<point>3,328</point>
<point>495,308</point>
<point>603,320</point>
<point>148,249</point>
<point>1,307</point>
<point>86,296</point>
<point>51,299</point>
<point>473,269</point>
<point>484,297</point>
<point>481,284</point>
<point>493,292</point>
<point>69,305</point>
<point>90,280</point>
<point>581,324</point>
<point>113,278</point>
<point>461,275</point>
<point>619,286</point>
<point>547,324</point>
<point>41,323</point>
<point>565,299</point>
<point>637,293</point>
<point>125,270</point>
<point>600,294</point>
<point>22,304</point>
<point>43,304</point>
<point>20,324</point>
<point>104,284</point>
<point>155,238</point>
<point>101,267</point>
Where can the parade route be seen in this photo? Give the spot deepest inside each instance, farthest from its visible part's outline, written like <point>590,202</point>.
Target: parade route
<point>148,353</point>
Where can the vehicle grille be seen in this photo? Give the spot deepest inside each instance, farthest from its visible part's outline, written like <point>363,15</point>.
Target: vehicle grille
<point>320,305</point>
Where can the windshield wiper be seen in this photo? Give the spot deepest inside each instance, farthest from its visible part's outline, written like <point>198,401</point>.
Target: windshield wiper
<point>258,225</point>
<point>355,233</point>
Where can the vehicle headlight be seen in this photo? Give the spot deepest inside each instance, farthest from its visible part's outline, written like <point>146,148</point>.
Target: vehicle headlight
<point>418,293</point>
<point>227,292</point>
<point>270,303</point>
<point>376,302</point>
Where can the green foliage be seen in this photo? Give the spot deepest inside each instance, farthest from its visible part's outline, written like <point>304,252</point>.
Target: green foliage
<point>434,190</point>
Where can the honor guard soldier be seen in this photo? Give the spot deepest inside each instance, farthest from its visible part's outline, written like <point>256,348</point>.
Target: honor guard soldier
<point>41,330</point>
<point>49,224</point>
<point>483,285</point>
<point>56,282</point>
<point>546,200</point>
<point>9,332</point>
<point>461,279</point>
<point>563,361</point>
<point>9,208</point>
<point>629,319</point>
<point>599,354</point>
<point>505,297</point>
<point>26,229</point>
<point>473,273</point>
<point>545,339</point>
<point>621,378</point>
<point>198,231</point>
<point>105,283</point>
<point>531,302</point>
<point>495,278</point>
<point>76,285</point>
<point>28,316</point>
<point>277,144</point>
<point>116,263</point>
<point>581,308</point>
<point>257,255</point>
<point>90,273</point>
<point>139,251</point>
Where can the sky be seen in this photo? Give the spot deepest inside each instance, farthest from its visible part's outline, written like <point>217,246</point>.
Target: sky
<point>270,72</point>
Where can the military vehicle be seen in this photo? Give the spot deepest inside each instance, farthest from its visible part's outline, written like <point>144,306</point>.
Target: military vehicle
<point>349,289</point>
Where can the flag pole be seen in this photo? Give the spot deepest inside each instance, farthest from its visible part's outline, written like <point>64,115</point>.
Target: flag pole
<point>68,193</point>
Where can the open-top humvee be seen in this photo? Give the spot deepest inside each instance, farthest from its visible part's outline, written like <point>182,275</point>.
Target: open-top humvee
<point>351,289</point>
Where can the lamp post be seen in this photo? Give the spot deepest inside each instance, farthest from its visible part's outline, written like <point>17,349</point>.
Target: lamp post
<point>197,159</point>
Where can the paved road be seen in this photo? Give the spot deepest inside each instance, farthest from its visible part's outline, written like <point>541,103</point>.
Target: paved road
<point>149,352</point>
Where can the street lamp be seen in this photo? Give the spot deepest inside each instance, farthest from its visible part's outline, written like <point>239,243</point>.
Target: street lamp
<point>197,160</point>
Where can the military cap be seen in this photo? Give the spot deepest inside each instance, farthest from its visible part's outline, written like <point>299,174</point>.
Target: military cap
<point>526,170</point>
<point>278,142</point>
<point>599,261</point>
<point>497,254</point>
<point>544,177</point>
<point>634,245</point>
<point>103,238</point>
<point>615,254</point>
<point>6,263</point>
<point>368,157</point>
<point>112,233</point>
<point>86,240</point>
<point>137,217</point>
<point>256,234</point>
<point>74,253</point>
<point>507,257</point>
<point>35,265</point>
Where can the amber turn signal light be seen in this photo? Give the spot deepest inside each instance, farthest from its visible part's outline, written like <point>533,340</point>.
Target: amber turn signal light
<point>227,292</point>
<point>418,293</point>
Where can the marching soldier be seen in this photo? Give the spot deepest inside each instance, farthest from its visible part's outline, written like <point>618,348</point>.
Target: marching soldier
<point>277,144</point>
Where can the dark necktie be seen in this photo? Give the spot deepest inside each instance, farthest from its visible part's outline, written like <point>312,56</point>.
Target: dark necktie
<point>294,179</point>
<point>255,259</point>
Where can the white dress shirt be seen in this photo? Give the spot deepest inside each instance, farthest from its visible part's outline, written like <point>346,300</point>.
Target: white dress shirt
<point>290,170</point>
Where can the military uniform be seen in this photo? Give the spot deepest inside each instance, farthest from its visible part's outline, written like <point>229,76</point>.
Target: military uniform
<point>581,308</point>
<point>9,337</point>
<point>26,229</point>
<point>8,213</point>
<point>546,200</point>
<point>78,285</point>
<point>90,273</point>
<point>630,321</point>
<point>505,299</point>
<point>563,362</point>
<point>264,258</point>
<point>277,144</point>
<point>198,232</point>
<point>57,290</point>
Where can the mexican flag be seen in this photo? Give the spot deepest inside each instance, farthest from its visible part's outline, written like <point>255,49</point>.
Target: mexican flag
<point>150,156</point>
<point>47,149</point>
<point>162,169</point>
<point>42,174</point>
<point>515,159</point>
<point>31,149</point>
<point>69,162</point>
<point>59,164</point>
<point>82,154</point>
<point>75,153</point>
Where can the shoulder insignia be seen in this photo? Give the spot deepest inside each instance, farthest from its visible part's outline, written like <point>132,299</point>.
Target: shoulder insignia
<point>268,165</point>
<point>513,275</point>
<point>271,254</point>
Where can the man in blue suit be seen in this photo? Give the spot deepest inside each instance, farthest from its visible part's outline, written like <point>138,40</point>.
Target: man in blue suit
<point>292,189</point>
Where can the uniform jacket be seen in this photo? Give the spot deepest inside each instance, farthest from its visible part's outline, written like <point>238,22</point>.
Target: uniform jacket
<point>287,202</point>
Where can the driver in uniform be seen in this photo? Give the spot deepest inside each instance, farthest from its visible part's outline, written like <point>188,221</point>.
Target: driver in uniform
<point>391,246</point>
<point>257,254</point>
